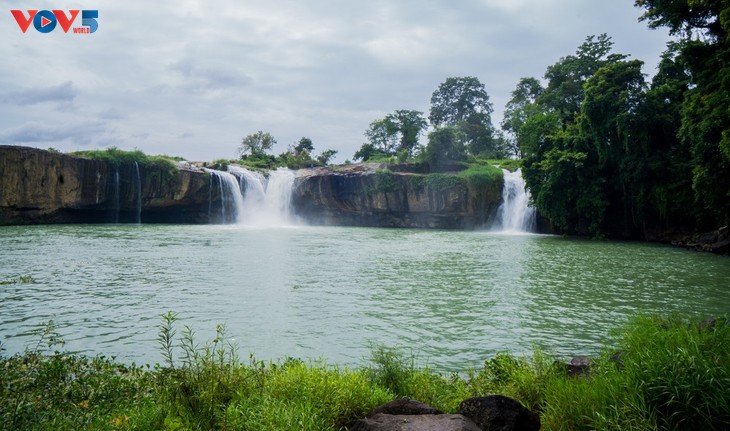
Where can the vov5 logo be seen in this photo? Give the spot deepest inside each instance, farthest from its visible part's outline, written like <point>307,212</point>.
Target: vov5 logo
<point>45,21</point>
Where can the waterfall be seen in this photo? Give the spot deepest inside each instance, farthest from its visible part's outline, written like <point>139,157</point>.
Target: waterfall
<point>231,207</point>
<point>138,195</point>
<point>116,197</point>
<point>515,212</point>
<point>266,201</point>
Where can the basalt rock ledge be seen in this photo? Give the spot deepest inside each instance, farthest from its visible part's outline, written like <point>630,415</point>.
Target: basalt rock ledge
<point>45,187</point>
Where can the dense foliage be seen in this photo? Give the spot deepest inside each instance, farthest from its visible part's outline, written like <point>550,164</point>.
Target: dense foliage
<point>669,373</point>
<point>607,153</point>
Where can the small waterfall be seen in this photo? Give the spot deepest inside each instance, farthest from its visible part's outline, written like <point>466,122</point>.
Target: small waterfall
<point>515,213</point>
<point>266,201</point>
<point>230,196</point>
<point>116,197</point>
<point>138,195</point>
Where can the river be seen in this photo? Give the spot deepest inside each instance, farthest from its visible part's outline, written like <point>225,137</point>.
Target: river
<point>452,298</point>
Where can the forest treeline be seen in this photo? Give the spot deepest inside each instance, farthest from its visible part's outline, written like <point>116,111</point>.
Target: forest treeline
<point>607,153</point>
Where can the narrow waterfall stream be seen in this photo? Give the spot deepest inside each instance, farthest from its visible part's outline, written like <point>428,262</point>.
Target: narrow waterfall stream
<point>138,195</point>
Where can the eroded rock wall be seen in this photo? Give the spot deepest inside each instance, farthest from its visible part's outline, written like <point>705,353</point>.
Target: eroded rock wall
<point>38,186</point>
<point>367,197</point>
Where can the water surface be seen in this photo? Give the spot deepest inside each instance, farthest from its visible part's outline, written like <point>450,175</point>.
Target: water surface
<point>454,297</point>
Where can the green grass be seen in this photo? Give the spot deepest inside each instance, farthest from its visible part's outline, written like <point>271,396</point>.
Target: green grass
<point>671,374</point>
<point>160,168</point>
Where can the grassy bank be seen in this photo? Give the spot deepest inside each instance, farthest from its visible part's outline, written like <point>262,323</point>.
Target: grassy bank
<point>670,374</point>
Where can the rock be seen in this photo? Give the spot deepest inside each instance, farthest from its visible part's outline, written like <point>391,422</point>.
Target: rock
<point>404,406</point>
<point>386,422</point>
<point>368,195</point>
<point>499,413</point>
<point>39,186</point>
<point>579,366</point>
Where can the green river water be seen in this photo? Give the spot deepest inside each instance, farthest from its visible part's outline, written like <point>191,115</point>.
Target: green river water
<point>453,298</point>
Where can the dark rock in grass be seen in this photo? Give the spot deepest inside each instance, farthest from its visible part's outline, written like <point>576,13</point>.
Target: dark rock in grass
<point>386,422</point>
<point>579,366</point>
<point>499,413</point>
<point>404,406</point>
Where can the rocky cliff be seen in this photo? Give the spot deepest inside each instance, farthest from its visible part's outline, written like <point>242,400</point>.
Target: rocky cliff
<point>368,195</point>
<point>38,186</point>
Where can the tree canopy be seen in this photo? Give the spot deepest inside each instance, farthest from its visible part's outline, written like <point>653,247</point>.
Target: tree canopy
<point>606,152</point>
<point>463,102</point>
<point>395,134</point>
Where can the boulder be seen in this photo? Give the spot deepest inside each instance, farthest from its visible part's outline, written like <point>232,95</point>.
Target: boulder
<point>386,422</point>
<point>405,406</point>
<point>499,413</point>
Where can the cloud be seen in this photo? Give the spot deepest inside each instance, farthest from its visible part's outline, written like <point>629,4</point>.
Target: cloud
<point>201,78</point>
<point>63,93</point>
<point>191,78</point>
<point>79,133</point>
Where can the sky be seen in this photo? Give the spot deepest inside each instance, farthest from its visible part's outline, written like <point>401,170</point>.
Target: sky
<point>191,78</point>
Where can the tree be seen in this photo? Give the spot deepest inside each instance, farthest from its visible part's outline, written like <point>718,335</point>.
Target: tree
<point>303,147</point>
<point>368,152</point>
<point>410,125</point>
<point>704,51</point>
<point>445,145</point>
<point>256,144</point>
<point>564,93</point>
<point>464,103</point>
<point>684,17</point>
<point>521,106</point>
<point>383,135</point>
<point>396,133</point>
<point>325,157</point>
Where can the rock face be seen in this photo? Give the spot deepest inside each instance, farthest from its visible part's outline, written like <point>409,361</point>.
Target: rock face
<point>38,186</point>
<point>365,196</point>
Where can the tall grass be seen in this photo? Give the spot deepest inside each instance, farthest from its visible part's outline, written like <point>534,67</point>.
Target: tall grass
<point>671,374</point>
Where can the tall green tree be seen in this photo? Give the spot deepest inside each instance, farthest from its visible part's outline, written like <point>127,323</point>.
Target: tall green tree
<point>520,107</point>
<point>463,102</point>
<point>564,93</point>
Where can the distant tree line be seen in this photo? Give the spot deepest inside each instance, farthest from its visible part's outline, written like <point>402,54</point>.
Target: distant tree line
<point>254,147</point>
<point>460,118</point>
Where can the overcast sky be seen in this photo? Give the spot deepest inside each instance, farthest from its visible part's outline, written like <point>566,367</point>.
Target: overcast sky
<point>192,78</point>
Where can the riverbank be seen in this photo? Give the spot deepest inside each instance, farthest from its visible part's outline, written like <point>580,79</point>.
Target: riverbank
<point>669,373</point>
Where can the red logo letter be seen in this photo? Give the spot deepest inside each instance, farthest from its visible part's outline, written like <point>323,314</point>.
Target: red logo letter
<point>63,20</point>
<point>23,23</point>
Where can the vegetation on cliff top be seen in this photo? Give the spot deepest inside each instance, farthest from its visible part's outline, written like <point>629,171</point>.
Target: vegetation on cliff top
<point>163,166</point>
<point>668,373</point>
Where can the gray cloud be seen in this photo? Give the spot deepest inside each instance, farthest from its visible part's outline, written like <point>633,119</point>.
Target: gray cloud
<point>65,92</point>
<point>192,78</point>
<point>77,134</point>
